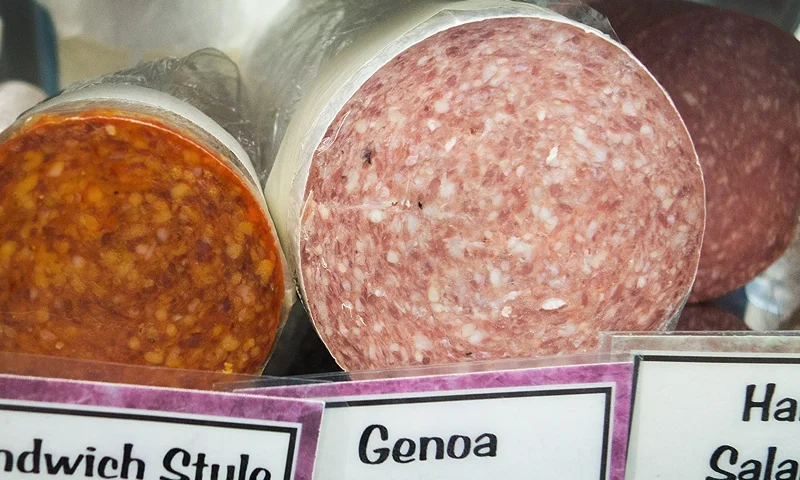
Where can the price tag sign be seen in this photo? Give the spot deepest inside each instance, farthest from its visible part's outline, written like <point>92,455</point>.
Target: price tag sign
<point>565,423</point>
<point>79,430</point>
<point>723,416</point>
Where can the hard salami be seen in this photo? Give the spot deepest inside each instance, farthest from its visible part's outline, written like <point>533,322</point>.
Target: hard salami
<point>502,188</point>
<point>708,318</point>
<point>736,82</point>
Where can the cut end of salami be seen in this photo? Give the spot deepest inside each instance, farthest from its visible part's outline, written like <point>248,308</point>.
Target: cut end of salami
<point>736,82</point>
<point>504,188</point>
<point>708,318</point>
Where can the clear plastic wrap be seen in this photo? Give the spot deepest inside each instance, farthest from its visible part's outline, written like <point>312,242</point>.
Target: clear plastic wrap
<point>98,37</point>
<point>307,34</point>
<point>322,53</point>
<point>200,99</point>
<point>15,98</point>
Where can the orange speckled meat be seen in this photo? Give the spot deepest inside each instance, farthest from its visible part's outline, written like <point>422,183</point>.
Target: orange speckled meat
<point>123,241</point>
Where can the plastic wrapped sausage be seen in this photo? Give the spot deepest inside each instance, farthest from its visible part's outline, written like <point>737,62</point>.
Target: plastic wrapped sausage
<point>476,180</point>
<point>134,227</point>
<point>736,82</point>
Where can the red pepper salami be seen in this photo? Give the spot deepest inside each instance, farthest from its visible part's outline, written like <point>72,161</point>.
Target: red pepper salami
<point>736,82</point>
<point>504,188</point>
<point>708,318</point>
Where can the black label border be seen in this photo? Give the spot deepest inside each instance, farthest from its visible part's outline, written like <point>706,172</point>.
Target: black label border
<point>606,391</point>
<point>140,417</point>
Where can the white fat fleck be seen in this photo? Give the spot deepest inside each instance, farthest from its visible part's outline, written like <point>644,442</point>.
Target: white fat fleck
<point>376,216</point>
<point>441,106</point>
<point>506,312</point>
<point>591,229</point>
<point>646,130</point>
<point>579,135</point>
<point>450,144</point>
<point>618,164</point>
<point>627,139</point>
<point>541,115</point>
<point>142,249</point>
<point>512,295</point>
<point>318,250</point>
<point>433,294</point>
<point>379,292</point>
<point>438,308</point>
<point>553,304</point>
<point>666,203</point>
<point>352,181</point>
<point>393,257</point>
<point>341,267</point>
<point>475,338</point>
<point>598,259</point>
<point>495,277</point>
<point>77,261</point>
<point>628,108</point>
<point>545,214</point>
<point>552,158</point>
<point>447,189</point>
<point>412,223</point>
<point>600,155</point>
<point>468,329</point>
<point>567,330</point>
<point>360,126</point>
<point>520,170</point>
<point>641,282</point>
<point>394,115</point>
<point>433,124</point>
<point>324,212</point>
<point>493,216</point>
<point>111,130</point>
<point>690,99</point>
<point>488,72</point>
<point>394,347</point>
<point>497,200</point>
<point>423,60</point>
<point>515,245</point>
<point>661,191</point>
<point>421,342</point>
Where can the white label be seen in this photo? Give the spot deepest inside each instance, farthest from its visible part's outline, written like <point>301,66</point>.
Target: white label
<point>77,442</point>
<point>715,417</point>
<point>505,434</point>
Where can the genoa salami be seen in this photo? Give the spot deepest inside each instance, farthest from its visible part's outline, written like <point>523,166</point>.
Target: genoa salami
<point>502,188</point>
<point>736,82</point>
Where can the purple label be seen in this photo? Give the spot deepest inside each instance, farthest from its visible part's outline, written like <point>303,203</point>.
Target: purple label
<point>565,422</point>
<point>61,428</point>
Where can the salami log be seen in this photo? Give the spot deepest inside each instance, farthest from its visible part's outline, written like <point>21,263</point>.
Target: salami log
<point>736,82</point>
<point>507,183</point>
<point>134,232</point>
<point>708,318</point>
